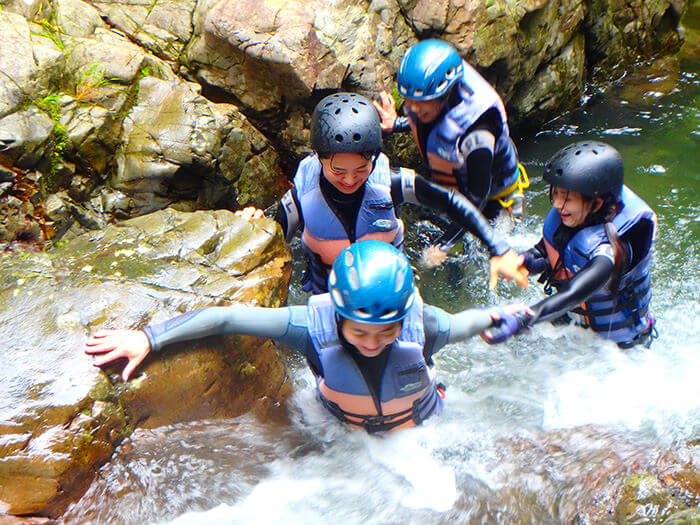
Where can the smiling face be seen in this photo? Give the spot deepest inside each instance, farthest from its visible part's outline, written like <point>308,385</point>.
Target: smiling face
<point>573,207</point>
<point>426,110</point>
<point>370,339</point>
<point>347,171</point>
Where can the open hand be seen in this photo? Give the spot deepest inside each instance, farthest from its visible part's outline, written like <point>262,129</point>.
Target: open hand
<point>386,107</point>
<point>432,256</point>
<point>250,213</point>
<point>110,345</point>
<point>510,266</point>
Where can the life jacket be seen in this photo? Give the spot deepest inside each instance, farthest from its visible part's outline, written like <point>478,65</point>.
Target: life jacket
<point>622,316</point>
<point>441,149</point>
<point>408,393</point>
<point>324,236</point>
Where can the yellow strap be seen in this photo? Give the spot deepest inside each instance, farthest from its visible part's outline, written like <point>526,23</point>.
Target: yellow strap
<point>521,182</point>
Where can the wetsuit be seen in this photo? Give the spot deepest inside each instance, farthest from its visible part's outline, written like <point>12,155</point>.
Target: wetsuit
<point>400,372</point>
<point>370,212</point>
<point>578,262</point>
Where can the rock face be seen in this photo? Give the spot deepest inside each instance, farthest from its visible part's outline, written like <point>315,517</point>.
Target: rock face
<point>61,417</point>
<point>128,107</point>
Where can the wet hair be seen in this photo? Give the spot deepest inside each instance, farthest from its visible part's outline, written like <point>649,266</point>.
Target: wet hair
<point>366,154</point>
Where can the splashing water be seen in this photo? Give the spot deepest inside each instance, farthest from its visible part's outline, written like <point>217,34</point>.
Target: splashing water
<point>541,429</point>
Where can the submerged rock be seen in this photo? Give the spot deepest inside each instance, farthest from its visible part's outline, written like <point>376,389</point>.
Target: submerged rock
<point>60,417</point>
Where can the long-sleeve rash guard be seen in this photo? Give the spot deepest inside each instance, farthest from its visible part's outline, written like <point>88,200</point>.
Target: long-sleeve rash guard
<point>408,187</point>
<point>289,325</point>
<point>591,278</point>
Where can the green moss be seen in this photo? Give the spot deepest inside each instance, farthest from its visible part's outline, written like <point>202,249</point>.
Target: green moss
<point>247,369</point>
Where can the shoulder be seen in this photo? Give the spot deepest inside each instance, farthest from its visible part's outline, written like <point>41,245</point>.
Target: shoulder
<point>307,174</point>
<point>381,174</point>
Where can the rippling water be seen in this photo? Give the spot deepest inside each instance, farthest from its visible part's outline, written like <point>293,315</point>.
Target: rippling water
<point>541,429</point>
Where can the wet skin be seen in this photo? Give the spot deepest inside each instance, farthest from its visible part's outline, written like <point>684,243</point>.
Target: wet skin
<point>573,208</point>
<point>347,171</point>
<point>426,110</point>
<point>370,339</point>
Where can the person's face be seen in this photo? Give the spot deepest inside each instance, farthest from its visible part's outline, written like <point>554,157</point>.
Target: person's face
<point>347,171</point>
<point>573,208</point>
<point>426,110</point>
<point>370,339</point>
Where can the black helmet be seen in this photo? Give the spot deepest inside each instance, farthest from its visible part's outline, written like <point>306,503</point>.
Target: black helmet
<point>345,123</point>
<point>591,168</point>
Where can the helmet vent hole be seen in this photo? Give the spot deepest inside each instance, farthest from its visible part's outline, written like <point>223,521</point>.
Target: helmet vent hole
<point>361,312</point>
<point>578,152</point>
<point>337,297</point>
<point>390,314</point>
<point>594,152</point>
<point>362,102</point>
<point>349,259</point>
<point>353,278</point>
<point>442,85</point>
<point>339,138</point>
<point>345,100</point>
<point>332,279</point>
<point>357,137</point>
<point>559,172</point>
<point>337,111</point>
<point>450,73</point>
<point>399,280</point>
<point>354,110</point>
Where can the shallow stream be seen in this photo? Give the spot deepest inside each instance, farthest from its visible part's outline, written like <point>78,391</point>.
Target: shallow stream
<point>541,429</point>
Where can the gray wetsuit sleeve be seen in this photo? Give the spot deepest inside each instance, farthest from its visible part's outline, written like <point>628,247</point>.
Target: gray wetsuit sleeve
<point>468,323</point>
<point>288,325</point>
<point>442,328</point>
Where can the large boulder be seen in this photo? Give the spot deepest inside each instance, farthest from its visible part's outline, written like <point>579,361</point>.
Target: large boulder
<point>83,104</point>
<point>61,418</point>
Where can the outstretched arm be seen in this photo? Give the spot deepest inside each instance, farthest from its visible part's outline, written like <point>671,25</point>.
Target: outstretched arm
<point>285,324</point>
<point>442,328</point>
<point>585,283</point>
<point>408,187</point>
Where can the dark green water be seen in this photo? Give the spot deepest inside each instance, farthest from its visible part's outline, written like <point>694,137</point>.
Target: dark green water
<point>541,429</point>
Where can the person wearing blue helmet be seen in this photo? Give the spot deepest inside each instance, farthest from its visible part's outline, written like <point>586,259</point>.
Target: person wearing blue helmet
<point>346,191</point>
<point>595,253</point>
<point>369,342</point>
<point>459,125</point>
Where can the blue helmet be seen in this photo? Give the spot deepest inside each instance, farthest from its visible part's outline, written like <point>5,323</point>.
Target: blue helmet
<point>428,70</point>
<point>371,282</point>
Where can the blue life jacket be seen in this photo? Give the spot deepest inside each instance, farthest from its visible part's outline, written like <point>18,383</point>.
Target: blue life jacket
<point>324,236</point>
<point>408,394</point>
<point>626,314</point>
<point>442,153</point>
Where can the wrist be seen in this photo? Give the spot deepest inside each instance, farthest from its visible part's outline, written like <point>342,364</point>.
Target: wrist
<point>152,347</point>
<point>500,247</point>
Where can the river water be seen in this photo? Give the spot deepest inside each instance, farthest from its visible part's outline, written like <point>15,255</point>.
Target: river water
<point>541,429</point>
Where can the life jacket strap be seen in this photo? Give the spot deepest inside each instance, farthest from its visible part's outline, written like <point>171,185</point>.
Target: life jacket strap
<point>380,422</point>
<point>507,197</point>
